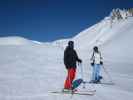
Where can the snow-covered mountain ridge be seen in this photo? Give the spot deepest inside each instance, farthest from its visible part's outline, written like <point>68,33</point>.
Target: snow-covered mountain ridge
<point>102,31</point>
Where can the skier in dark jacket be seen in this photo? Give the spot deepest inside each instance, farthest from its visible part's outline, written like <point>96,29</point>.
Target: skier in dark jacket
<point>70,59</point>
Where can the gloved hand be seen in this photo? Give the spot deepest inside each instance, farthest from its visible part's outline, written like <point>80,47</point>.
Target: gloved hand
<point>101,62</point>
<point>92,64</point>
<point>79,60</point>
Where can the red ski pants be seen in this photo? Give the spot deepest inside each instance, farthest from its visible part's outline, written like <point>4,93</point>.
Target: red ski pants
<point>70,77</point>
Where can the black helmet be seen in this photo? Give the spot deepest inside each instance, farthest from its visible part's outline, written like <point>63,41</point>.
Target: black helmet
<point>71,44</point>
<point>95,48</point>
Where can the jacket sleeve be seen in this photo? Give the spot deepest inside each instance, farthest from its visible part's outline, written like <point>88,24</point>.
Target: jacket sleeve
<point>65,62</point>
<point>101,59</point>
<point>77,58</point>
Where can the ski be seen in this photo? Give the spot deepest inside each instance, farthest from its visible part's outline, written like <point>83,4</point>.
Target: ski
<point>89,92</point>
<point>104,83</point>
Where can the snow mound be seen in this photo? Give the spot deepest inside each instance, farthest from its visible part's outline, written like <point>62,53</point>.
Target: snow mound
<point>17,40</point>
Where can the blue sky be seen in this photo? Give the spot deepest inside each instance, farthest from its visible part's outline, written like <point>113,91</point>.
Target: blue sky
<point>48,20</point>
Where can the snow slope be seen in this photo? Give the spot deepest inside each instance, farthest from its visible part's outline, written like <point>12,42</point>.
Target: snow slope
<point>16,40</point>
<point>30,69</point>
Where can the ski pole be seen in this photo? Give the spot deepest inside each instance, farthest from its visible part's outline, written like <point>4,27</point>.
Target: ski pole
<point>107,74</point>
<point>82,76</point>
<point>81,70</point>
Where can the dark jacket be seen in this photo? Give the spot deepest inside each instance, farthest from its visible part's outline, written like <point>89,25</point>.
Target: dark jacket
<point>70,58</point>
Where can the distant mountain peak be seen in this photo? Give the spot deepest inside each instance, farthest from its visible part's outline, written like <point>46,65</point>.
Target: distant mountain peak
<point>118,14</point>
